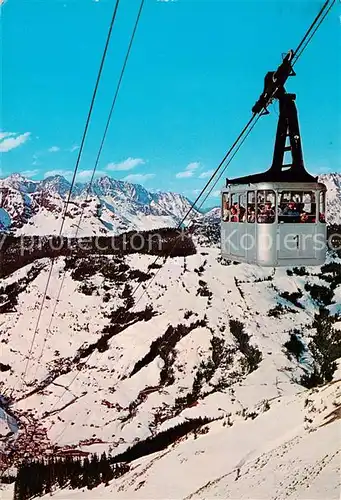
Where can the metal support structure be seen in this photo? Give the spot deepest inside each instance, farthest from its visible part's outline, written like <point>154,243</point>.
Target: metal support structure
<point>287,126</point>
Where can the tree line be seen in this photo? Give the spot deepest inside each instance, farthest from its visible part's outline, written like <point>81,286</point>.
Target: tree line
<point>41,477</point>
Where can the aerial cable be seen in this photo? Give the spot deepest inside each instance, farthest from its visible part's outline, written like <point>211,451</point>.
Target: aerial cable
<point>74,177</point>
<point>96,164</point>
<point>296,55</point>
<point>229,161</point>
<point>299,53</point>
<point>230,150</point>
<point>216,170</point>
<point>183,219</point>
<point>112,106</point>
<point>90,112</point>
<point>325,5</point>
<point>97,161</point>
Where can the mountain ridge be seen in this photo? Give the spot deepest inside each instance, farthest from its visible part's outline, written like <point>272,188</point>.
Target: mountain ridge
<point>207,340</point>
<point>110,206</point>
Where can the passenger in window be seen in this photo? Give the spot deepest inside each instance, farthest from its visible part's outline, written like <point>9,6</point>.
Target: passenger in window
<point>270,211</point>
<point>261,213</point>
<point>291,210</point>
<point>251,214</point>
<point>304,217</point>
<point>262,216</point>
<point>266,214</point>
<point>234,214</point>
<point>242,214</point>
<point>226,212</point>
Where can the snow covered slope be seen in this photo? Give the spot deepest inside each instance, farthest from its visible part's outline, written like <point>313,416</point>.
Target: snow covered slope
<point>110,207</point>
<point>110,368</point>
<point>290,451</point>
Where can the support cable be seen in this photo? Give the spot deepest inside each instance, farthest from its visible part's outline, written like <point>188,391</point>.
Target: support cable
<point>240,137</point>
<point>73,181</point>
<point>95,168</point>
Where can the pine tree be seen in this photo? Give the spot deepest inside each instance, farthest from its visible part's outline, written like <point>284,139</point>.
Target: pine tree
<point>325,348</point>
<point>76,478</point>
<point>86,476</point>
<point>107,474</point>
<point>95,477</point>
<point>49,476</point>
<point>19,486</point>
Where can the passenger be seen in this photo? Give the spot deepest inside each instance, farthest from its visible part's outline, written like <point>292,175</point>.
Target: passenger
<point>242,214</point>
<point>251,214</point>
<point>234,214</point>
<point>291,210</point>
<point>270,212</point>
<point>266,214</point>
<point>304,217</point>
<point>226,211</point>
<point>261,214</point>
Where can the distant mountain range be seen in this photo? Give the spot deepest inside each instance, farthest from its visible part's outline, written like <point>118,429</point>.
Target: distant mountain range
<point>207,380</point>
<point>110,206</point>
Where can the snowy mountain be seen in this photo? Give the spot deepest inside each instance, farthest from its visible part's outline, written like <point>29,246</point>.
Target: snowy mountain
<point>109,206</point>
<point>333,184</point>
<point>112,368</point>
<point>204,378</point>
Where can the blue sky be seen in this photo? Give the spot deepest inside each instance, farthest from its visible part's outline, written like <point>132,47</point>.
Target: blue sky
<point>196,68</point>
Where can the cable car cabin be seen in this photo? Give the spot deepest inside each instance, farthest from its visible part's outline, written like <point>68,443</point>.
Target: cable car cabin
<point>276,218</point>
<point>274,224</point>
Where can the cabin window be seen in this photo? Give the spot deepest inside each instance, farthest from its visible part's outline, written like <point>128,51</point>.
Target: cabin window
<point>266,206</point>
<point>297,206</point>
<point>242,207</point>
<point>234,209</point>
<point>284,197</point>
<point>307,207</point>
<point>226,207</point>
<point>322,209</point>
<point>238,207</point>
<point>251,207</point>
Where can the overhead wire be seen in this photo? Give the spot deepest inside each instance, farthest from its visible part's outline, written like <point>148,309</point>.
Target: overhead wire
<point>296,55</point>
<point>244,131</point>
<point>100,150</point>
<point>249,123</point>
<point>94,94</point>
<point>234,144</point>
<point>229,161</point>
<point>88,191</point>
<point>302,47</point>
<point>307,34</point>
<point>191,208</point>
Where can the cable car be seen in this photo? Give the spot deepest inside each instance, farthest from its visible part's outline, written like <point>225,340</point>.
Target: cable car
<point>277,217</point>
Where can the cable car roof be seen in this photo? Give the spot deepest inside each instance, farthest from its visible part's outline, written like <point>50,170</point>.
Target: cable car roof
<point>285,186</point>
<point>273,176</point>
